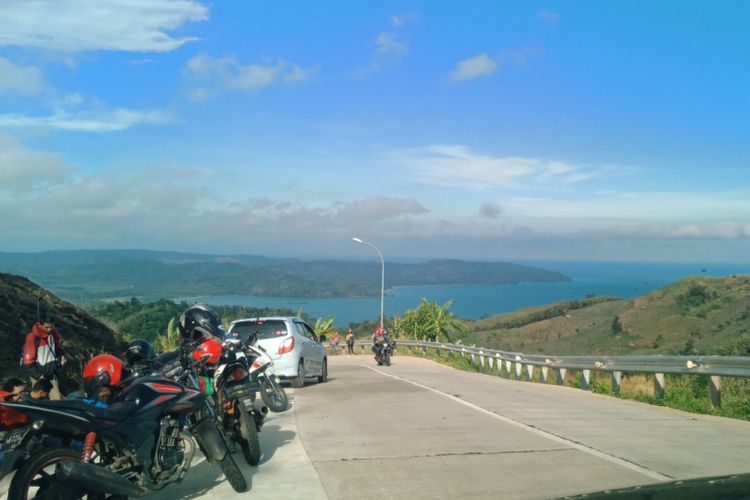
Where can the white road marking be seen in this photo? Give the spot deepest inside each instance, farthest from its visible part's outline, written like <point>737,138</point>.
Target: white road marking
<point>554,437</point>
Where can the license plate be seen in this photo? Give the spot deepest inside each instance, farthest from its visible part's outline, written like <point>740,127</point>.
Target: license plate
<point>12,439</point>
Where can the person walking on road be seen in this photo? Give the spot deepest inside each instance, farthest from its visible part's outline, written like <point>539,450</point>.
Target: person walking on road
<point>335,341</point>
<point>350,342</point>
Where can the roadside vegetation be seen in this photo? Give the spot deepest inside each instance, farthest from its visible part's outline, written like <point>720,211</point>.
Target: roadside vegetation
<point>694,316</point>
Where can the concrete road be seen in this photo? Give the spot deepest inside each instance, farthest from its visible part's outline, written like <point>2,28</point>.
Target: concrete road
<point>419,430</point>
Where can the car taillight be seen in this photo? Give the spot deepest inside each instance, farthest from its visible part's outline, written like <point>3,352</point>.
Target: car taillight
<point>286,346</point>
<point>238,374</point>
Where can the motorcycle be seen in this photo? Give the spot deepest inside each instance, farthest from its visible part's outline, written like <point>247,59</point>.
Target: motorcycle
<point>383,352</point>
<point>138,444</point>
<point>262,373</point>
<point>234,398</point>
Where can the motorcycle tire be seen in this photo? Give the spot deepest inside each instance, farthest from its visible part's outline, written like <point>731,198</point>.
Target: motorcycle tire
<point>33,471</point>
<point>249,441</point>
<point>387,359</point>
<point>233,474</point>
<point>273,395</point>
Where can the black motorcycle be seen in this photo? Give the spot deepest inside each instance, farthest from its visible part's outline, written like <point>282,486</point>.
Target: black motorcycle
<point>234,394</point>
<point>383,352</point>
<point>135,445</point>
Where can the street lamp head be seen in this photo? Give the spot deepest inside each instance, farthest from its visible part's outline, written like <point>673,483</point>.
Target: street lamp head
<point>355,239</point>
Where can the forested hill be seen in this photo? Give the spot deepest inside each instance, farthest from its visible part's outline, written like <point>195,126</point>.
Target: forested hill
<point>84,275</point>
<point>21,304</point>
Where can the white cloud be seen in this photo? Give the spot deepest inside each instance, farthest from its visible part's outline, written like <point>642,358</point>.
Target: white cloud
<point>21,169</point>
<point>645,206</point>
<point>86,121</point>
<point>377,208</point>
<point>474,67</point>
<point>227,73</point>
<point>387,43</point>
<point>24,80</point>
<point>82,25</point>
<point>457,166</point>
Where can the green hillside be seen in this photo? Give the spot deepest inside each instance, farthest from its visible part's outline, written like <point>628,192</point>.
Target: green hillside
<point>697,315</point>
<point>86,275</point>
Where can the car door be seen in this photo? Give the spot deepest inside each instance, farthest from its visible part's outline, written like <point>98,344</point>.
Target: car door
<point>315,353</point>
<point>305,343</point>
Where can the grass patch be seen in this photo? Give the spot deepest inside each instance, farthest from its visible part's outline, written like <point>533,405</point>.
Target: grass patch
<point>682,392</point>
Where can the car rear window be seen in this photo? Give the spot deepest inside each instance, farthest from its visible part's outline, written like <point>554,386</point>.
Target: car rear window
<point>269,329</point>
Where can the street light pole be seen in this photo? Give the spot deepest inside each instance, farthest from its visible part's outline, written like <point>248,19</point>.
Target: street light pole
<point>382,274</point>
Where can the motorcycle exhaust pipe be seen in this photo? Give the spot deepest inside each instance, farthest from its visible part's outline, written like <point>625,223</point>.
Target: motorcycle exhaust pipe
<point>95,479</point>
<point>260,414</point>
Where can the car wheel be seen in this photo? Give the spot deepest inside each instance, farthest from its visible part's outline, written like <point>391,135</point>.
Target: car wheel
<point>299,380</point>
<point>323,377</point>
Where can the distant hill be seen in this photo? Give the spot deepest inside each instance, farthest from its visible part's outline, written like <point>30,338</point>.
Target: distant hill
<point>83,335</point>
<point>86,275</point>
<point>697,315</point>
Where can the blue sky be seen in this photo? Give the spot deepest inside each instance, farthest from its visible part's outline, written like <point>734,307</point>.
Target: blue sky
<point>482,130</point>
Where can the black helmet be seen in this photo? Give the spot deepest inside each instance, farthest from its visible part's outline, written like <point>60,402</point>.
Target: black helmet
<point>200,322</point>
<point>139,351</point>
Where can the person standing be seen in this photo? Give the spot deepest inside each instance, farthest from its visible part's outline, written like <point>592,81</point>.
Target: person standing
<point>43,354</point>
<point>350,342</point>
<point>335,341</point>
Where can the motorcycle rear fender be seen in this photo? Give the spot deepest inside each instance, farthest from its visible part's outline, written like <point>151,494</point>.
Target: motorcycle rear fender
<point>209,440</point>
<point>11,461</point>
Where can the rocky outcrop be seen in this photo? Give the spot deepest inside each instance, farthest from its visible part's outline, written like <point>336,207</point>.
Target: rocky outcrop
<point>21,304</point>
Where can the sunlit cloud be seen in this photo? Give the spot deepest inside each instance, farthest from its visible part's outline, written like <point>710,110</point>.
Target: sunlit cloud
<point>483,65</point>
<point>388,43</point>
<point>85,25</point>
<point>219,74</point>
<point>458,166</point>
<point>24,80</point>
<point>679,207</point>
<point>86,121</point>
<point>474,67</point>
<point>22,169</point>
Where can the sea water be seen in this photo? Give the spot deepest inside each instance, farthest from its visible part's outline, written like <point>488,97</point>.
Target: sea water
<point>624,280</point>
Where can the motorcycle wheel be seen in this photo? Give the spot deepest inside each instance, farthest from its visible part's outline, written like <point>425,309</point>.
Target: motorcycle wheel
<point>387,359</point>
<point>36,478</point>
<point>273,395</point>
<point>249,441</point>
<point>233,474</point>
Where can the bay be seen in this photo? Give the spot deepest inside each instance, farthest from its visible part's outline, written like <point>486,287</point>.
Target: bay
<point>624,280</point>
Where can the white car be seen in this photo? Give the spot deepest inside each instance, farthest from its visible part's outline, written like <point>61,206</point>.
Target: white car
<point>296,351</point>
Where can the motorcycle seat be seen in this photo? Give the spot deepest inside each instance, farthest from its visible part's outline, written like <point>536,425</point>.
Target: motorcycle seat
<point>117,411</point>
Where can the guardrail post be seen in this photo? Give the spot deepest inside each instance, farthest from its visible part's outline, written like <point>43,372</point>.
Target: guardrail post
<point>545,372</point>
<point>659,385</point>
<point>714,391</point>
<point>508,364</point>
<point>530,372</point>
<point>481,358</point>
<point>472,360</point>
<point>616,382</point>
<point>491,361</point>
<point>561,376</point>
<point>519,368</point>
<point>585,379</point>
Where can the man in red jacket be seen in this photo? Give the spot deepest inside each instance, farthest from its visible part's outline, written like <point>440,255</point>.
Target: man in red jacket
<point>43,354</point>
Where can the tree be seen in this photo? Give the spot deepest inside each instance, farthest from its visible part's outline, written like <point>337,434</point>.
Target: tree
<point>169,341</point>
<point>428,321</point>
<point>324,326</point>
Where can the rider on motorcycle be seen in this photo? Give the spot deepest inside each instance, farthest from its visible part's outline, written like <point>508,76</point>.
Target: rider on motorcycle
<point>379,338</point>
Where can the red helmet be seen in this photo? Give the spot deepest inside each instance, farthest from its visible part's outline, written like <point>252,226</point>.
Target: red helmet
<point>101,370</point>
<point>212,347</point>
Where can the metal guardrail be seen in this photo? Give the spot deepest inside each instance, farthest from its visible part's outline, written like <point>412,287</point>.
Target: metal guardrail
<point>524,365</point>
